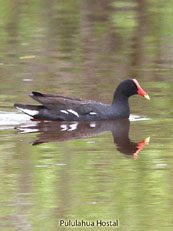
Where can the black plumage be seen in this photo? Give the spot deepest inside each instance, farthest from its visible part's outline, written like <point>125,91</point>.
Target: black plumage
<point>63,108</point>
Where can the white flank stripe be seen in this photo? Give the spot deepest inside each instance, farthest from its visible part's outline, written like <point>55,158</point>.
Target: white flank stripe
<point>63,111</point>
<point>93,113</point>
<point>28,111</point>
<point>73,112</point>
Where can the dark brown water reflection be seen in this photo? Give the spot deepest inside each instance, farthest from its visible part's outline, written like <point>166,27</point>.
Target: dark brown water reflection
<point>63,131</point>
<point>84,49</point>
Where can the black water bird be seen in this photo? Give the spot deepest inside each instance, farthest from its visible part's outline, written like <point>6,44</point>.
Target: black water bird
<point>62,108</point>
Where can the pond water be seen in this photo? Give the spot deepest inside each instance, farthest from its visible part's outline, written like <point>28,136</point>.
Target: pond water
<point>109,171</point>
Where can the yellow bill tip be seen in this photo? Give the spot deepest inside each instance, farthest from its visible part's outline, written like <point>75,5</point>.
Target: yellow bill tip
<point>147,140</point>
<point>147,97</point>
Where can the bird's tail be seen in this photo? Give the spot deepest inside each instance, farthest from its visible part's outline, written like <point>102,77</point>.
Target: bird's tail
<point>31,110</point>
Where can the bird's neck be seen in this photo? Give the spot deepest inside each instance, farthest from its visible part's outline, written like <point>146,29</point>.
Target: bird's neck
<point>119,98</point>
<point>120,104</point>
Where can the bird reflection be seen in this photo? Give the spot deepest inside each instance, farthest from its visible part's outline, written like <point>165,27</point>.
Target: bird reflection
<point>63,131</point>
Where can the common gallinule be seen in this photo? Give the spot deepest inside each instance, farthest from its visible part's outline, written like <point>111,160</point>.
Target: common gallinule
<point>63,108</point>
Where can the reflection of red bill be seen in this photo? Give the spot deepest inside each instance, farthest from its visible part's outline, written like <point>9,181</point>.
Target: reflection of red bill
<point>140,147</point>
<point>140,90</point>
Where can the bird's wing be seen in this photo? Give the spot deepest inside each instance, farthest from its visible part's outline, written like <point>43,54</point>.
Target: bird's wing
<point>59,102</point>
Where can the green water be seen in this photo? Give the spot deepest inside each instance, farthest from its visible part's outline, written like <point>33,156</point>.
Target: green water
<point>84,49</point>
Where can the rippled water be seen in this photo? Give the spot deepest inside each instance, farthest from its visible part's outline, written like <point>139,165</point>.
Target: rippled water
<point>109,170</point>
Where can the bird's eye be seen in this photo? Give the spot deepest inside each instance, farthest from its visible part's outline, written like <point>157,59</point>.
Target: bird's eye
<point>133,86</point>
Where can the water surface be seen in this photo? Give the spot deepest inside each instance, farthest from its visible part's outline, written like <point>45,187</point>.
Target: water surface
<point>90,171</point>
